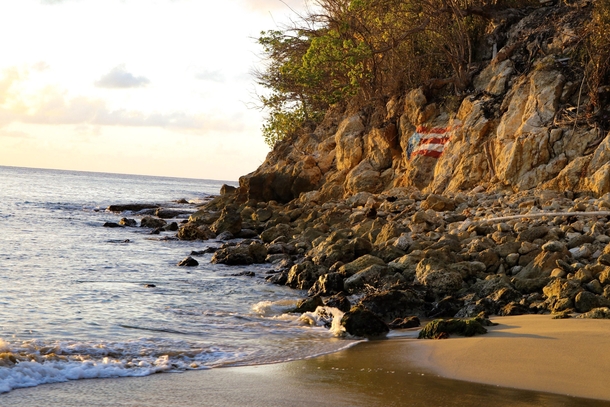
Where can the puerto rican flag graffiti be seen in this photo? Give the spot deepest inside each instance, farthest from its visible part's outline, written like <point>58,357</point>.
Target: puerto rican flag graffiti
<point>429,141</point>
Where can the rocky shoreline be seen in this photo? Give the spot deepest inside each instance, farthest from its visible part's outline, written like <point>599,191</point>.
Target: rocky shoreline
<point>390,259</point>
<point>416,206</point>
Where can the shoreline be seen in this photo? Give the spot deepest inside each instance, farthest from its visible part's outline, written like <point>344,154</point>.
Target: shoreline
<point>390,372</point>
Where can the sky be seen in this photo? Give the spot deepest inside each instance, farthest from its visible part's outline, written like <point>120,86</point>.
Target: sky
<point>152,87</point>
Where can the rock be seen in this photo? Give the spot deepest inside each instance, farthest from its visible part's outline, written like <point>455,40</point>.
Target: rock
<point>438,203</point>
<point>363,323</point>
<point>227,189</point>
<point>327,284</point>
<point>513,308</point>
<point>553,246</point>
<point>443,328</point>
<point>531,234</point>
<point>350,144</point>
<point>339,301</point>
<point>392,304</point>
<point>447,307</point>
<point>405,323</point>
<point>604,259</point>
<point>597,313</point>
<point>205,251</point>
<point>131,207</point>
<point>188,262</point>
<point>432,274</point>
<point>403,242</point>
<point>244,274</point>
<point>308,304</point>
<point>274,232</point>
<point>204,217</point>
<point>152,223</point>
<point>128,222</point>
<point>224,236</point>
<point>191,231</point>
<point>363,178</point>
<point>229,221</point>
<point>543,264</point>
<point>165,213</point>
<point>585,301</point>
<point>371,275</point>
<point>360,264</point>
<point>171,227</point>
<point>304,275</point>
<point>112,225</point>
<point>241,254</point>
<point>579,241</point>
<point>246,234</point>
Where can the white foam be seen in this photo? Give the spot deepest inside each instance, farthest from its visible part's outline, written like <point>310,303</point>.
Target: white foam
<point>273,308</point>
<point>32,363</point>
<point>325,316</point>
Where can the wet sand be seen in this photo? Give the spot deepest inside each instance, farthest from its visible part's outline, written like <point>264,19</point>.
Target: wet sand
<point>559,356</point>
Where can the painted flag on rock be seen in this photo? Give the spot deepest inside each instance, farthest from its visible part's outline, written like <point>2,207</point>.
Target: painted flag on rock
<point>428,141</point>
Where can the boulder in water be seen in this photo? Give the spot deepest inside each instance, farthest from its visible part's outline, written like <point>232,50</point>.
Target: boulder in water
<point>188,262</point>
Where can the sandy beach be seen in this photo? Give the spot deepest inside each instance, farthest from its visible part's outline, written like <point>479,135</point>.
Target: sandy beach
<point>551,358</point>
<point>536,352</point>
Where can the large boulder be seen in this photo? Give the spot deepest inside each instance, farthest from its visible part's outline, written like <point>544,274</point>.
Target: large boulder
<point>392,304</point>
<point>433,275</point>
<point>229,221</point>
<point>241,254</point>
<point>364,323</point>
<point>585,301</point>
<point>372,275</point>
<point>350,144</point>
<point>304,275</point>
<point>327,284</point>
<point>152,223</point>
<point>360,264</point>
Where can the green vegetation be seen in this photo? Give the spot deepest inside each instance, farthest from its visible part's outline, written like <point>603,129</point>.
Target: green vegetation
<point>362,50</point>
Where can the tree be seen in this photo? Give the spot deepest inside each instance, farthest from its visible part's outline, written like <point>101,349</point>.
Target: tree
<point>367,49</point>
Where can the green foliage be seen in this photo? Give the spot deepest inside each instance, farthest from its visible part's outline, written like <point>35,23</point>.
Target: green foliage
<point>281,123</point>
<point>358,50</point>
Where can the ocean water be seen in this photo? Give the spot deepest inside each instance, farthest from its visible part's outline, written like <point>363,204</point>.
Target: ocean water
<point>76,300</point>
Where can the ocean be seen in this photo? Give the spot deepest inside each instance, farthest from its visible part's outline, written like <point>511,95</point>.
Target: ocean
<point>79,300</point>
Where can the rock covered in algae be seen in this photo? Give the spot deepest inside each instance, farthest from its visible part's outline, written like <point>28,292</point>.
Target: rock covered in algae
<point>442,328</point>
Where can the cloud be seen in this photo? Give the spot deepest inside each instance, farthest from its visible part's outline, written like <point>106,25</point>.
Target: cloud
<point>14,134</point>
<point>119,78</point>
<point>265,6</point>
<point>41,66</point>
<point>53,106</point>
<point>212,76</point>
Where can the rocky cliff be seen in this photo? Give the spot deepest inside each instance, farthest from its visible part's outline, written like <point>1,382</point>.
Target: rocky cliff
<point>421,207</point>
<point>522,125</point>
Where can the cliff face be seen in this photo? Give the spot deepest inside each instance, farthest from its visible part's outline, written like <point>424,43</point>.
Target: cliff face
<point>520,127</point>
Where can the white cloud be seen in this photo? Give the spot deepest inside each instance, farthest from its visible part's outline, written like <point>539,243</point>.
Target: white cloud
<point>41,66</point>
<point>212,76</point>
<point>53,106</point>
<point>119,78</point>
<point>265,6</point>
<point>16,134</point>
